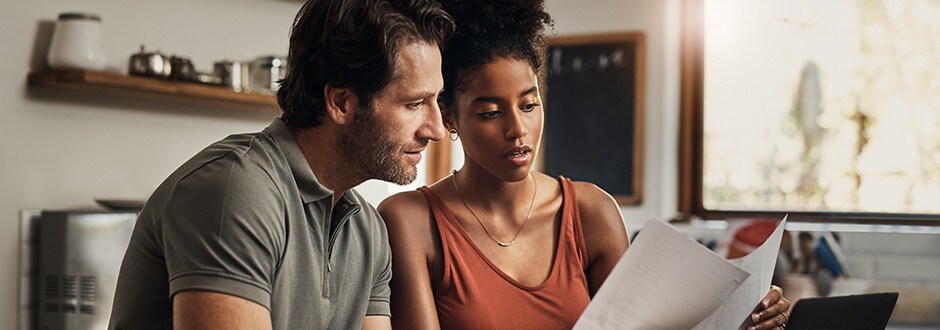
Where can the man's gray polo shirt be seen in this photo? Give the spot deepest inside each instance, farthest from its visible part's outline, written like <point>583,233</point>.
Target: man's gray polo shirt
<point>247,217</point>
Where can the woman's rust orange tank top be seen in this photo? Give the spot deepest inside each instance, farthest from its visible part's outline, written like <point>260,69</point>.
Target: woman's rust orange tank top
<point>475,294</point>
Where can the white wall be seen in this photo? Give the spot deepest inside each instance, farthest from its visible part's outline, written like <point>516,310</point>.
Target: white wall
<point>62,150</point>
<point>659,21</point>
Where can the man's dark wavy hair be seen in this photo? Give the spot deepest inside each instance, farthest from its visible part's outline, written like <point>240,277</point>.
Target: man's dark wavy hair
<point>352,44</point>
<point>489,30</point>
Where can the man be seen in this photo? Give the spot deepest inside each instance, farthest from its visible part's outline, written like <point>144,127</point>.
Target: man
<point>263,230</point>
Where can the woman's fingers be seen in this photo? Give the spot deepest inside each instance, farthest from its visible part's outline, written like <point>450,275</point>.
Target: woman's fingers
<point>771,312</point>
<point>777,321</point>
<point>778,308</point>
<point>772,296</point>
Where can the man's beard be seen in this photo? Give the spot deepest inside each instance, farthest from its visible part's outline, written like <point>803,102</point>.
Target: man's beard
<point>369,153</point>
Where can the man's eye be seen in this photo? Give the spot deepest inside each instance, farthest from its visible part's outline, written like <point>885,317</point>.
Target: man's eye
<point>414,106</point>
<point>529,107</point>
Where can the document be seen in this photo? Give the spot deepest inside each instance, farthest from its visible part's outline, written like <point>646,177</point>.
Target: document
<point>760,263</point>
<point>665,280</point>
<point>668,281</point>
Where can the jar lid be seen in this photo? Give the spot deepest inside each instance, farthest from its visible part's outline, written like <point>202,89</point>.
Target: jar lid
<point>79,16</point>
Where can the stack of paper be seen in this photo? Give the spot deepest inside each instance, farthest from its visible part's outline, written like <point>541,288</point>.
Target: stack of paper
<point>669,281</point>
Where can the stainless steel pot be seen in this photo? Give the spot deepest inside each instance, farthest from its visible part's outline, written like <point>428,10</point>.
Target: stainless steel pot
<point>181,68</point>
<point>152,64</point>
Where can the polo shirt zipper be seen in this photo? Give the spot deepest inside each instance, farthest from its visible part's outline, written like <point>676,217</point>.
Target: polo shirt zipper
<point>342,222</point>
<point>349,212</point>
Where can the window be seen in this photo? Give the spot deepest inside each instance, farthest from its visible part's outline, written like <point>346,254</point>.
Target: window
<point>827,110</point>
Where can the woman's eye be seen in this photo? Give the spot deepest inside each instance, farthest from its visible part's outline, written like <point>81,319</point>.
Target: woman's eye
<point>489,114</point>
<point>529,107</point>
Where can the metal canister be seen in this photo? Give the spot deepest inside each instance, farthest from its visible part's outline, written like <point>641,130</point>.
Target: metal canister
<point>233,74</point>
<point>267,72</point>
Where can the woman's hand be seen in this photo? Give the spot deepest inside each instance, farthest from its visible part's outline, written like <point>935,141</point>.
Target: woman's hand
<point>771,313</point>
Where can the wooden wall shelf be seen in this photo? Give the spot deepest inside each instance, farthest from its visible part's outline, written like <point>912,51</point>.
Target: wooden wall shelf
<point>154,89</point>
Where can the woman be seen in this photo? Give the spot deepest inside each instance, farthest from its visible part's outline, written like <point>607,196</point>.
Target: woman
<point>496,245</point>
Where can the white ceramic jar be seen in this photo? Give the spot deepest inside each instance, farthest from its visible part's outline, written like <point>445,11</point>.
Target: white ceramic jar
<point>77,43</point>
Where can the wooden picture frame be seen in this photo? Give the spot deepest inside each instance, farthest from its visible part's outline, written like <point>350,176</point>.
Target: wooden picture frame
<point>594,97</point>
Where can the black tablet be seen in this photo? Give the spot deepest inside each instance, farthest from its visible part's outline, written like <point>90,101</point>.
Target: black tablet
<point>864,311</point>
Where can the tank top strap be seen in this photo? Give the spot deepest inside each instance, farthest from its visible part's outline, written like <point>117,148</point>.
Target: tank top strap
<point>440,214</point>
<point>573,220</point>
<point>436,204</point>
<point>445,229</point>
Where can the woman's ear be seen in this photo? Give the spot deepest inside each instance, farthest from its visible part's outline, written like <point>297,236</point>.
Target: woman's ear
<point>448,116</point>
<point>341,104</point>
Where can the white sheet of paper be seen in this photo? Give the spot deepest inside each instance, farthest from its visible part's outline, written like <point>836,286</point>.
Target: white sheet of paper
<point>760,263</point>
<point>665,280</point>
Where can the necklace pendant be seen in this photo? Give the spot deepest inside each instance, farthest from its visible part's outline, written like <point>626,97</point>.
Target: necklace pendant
<point>535,185</point>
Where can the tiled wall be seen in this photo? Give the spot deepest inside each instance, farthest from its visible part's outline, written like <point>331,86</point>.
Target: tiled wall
<point>878,261</point>
<point>909,257</point>
<point>908,263</point>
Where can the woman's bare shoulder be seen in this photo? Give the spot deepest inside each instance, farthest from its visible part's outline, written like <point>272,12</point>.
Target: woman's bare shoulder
<point>604,231</point>
<point>600,212</point>
<point>403,206</point>
<point>406,199</point>
<point>408,219</point>
<point>594,200</point>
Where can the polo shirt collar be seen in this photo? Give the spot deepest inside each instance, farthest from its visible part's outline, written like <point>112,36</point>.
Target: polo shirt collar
<point>310,189</point>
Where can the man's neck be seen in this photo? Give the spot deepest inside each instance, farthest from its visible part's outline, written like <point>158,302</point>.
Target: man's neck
<point>319,147</point>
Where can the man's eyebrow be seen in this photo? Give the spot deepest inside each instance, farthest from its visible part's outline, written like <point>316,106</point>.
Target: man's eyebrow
<point>421,96</point>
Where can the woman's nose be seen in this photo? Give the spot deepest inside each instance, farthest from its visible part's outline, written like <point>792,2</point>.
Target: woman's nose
<point>517,127</point>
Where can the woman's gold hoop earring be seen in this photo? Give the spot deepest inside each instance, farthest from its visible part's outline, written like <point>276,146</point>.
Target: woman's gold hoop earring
<point>453,134</point>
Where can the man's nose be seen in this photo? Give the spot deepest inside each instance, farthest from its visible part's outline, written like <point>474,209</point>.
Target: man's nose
<point>432,127</point>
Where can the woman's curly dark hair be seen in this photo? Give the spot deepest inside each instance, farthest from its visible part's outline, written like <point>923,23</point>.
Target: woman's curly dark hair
<point>488,30</point>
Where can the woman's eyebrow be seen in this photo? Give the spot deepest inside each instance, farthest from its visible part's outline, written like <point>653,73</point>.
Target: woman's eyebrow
<point>493,99</point>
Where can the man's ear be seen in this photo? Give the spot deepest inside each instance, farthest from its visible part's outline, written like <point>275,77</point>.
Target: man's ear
<point>341,104</point>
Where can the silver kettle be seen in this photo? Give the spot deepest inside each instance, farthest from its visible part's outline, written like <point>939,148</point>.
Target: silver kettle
<point>151,64</point>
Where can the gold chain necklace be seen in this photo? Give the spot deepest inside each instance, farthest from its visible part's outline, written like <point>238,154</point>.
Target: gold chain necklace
<point>464,200</point>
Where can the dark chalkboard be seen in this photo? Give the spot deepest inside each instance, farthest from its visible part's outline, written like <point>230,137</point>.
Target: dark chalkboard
<point>593,121</point>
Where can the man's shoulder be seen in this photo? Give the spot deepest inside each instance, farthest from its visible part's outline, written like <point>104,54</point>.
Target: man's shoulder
<point>240,164</point>
<point>248,152</point>
<point>258,148</point>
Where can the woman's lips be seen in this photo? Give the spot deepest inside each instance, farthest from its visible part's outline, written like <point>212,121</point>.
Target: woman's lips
<point>520,156</point>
